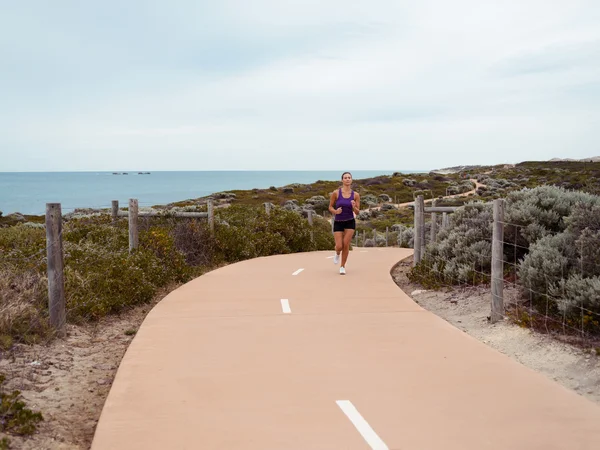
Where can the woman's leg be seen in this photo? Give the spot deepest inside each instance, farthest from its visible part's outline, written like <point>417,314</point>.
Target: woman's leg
<point>348,233</point>
<point>339,241</point>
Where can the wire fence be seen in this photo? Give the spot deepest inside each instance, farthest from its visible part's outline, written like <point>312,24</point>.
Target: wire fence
<point>530,297</point>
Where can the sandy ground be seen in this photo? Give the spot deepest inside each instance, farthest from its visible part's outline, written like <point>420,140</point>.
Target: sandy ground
<point>69,379</point>
<point>468,309</point>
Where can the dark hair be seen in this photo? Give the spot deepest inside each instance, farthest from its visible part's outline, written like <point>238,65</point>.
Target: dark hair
<point>345,174</point>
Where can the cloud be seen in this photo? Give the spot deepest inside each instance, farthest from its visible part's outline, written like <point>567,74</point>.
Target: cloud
<point>288,84</point>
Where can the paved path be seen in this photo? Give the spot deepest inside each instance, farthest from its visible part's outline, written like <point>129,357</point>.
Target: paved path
<point>347,362</point>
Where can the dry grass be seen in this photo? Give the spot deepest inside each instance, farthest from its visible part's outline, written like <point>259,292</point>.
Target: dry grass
<point>22,296</point>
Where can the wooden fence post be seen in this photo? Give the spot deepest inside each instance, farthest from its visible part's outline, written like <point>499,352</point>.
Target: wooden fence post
<point>423,243</point>
<point>133,224</point>
<point>115,211</point>
<point>433,230</point>
<point>498,262</point>
<point>211,215</point>
<point>444,221</point>
<point>387,233</point>
<point>419,232</point>
<point>310,222</point>
<point>268,208</point>
<point>56,278</point>
<point>433,227</point>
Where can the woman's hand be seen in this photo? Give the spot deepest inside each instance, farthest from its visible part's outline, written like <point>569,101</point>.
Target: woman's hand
<point>338,211</point>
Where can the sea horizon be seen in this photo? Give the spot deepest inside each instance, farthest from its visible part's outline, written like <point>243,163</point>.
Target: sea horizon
<point>28,192</point>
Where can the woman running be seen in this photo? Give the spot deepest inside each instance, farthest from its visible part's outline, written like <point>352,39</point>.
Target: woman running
<point>343,205</point>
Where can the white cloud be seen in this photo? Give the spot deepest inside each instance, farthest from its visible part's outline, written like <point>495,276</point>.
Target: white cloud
<point>289,84</point>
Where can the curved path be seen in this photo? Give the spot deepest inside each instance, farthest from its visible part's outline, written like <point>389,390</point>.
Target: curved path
<point>261,355</point>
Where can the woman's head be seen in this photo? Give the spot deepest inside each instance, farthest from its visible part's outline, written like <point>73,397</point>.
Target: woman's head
<point>347,177</point>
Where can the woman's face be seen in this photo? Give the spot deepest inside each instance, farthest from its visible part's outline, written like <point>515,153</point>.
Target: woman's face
<point>347,179</point>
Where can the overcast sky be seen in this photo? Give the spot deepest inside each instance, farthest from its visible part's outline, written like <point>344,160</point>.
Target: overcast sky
<point>306,84</point>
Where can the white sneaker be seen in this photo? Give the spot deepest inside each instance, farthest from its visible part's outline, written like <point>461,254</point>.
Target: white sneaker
<point>342,271</point>
<point>336,258</point>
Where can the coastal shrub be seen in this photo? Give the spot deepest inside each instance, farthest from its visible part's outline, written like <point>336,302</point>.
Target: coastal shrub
<point>319,203</point>
<point>578,300</point>
<point>462,250</point>
<point>323,237</point>
<point>101,277</point>
<point>23,305</point>
<point>23,286</point>
<point>100,281</point>
<point>387,219</point>
<point>369,199</point>
<point>556,257</point>
<point>546,264</point>
<point>249,232</point>
<point>97,230</point>
<point>15,417</point>
<point>460,188</point>
<point>194,240</point>
<point>531,214</point>
<point>22,246</point>
<point>369,242</point>
<point>406,236</point>
<point>562,271</point>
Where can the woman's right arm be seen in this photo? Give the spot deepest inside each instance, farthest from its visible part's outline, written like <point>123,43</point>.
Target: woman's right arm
<point>332,200</point>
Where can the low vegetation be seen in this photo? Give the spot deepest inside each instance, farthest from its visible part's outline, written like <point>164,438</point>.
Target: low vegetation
<point>550,251</point>
<point>15,417</point>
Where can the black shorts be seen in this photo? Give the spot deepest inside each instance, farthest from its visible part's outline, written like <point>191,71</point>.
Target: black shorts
<point>344,225</point>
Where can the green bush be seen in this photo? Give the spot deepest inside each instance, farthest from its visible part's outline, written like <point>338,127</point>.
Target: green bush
<point>562,271</point>
<point>556,256</point>
<point>406,236</point>
<point>101,277</point>
<point>578,299</point>
<point>15,417</point>
<point>463,249</point>
<point>246,232</point>
<point>22,246</point>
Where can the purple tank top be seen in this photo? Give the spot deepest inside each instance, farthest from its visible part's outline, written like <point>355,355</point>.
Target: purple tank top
<point>346,205</point>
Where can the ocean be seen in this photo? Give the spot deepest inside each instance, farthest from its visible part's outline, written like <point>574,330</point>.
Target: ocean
<point>28,192</point>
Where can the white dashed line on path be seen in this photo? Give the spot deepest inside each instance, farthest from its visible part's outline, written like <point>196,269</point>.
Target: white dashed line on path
<point>285,306</point>
<point>361,425</point>
<point>297,271</point>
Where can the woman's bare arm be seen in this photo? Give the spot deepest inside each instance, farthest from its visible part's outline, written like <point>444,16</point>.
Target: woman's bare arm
<point>356,203</point>
<point>332,200</point>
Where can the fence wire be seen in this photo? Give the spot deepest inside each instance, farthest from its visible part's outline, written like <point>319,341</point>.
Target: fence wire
<point>546,310</point>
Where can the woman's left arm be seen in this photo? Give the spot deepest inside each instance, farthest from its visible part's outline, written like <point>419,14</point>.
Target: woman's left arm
<point>356,205</point>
